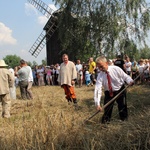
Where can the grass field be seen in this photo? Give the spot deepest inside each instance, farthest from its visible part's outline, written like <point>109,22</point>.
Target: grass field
<point>49,123</point>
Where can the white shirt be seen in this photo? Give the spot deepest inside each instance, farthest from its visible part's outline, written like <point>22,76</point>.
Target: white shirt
<point>40,71</point>
<point>78,67</point>
<point>128,66</point>
<point>30,78</point>
<point>57,70</point>
<point>141,68</point>
<point>12,71</point>
<point>118,76</point>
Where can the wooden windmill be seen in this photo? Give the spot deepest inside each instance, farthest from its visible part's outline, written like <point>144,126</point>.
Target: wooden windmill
<point>49,36</point>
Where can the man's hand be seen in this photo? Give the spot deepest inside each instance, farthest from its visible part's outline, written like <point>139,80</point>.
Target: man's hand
<point>72,82</point>
<point>99,108</point>
<point>131,83</point>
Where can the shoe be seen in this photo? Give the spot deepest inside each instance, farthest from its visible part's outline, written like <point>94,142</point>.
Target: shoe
<point>88,84</point>
<point>69,100</point>
<point>69,103</point>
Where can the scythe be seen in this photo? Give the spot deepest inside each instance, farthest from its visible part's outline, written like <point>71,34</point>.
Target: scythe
<point>114,98</point>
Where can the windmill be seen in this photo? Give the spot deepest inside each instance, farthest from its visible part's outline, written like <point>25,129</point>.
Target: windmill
<point>50,27</point>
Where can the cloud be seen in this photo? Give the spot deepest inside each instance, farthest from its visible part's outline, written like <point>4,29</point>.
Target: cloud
<point>52,7</point>
<point>30,9</point>
<point>41,19</point>
<point>6,35</point>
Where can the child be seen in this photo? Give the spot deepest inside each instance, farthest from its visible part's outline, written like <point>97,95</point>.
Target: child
<point>87,78</point>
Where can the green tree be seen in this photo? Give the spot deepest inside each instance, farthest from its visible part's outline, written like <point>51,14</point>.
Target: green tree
<point>44,62</point>
<point>12,60</point>
<point>29,63</point>
<point>34,63</point>
<point>145,53</point>
<point>102,26</point>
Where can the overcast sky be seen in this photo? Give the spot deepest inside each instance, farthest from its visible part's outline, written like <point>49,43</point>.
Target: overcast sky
<point>20,26</point>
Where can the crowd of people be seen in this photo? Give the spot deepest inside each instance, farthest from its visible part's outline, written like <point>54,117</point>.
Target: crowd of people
<point>132,68</point>
<point>87,72</point>
<point>111,74</point>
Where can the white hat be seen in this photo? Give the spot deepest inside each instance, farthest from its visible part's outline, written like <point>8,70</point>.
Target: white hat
<point>3,64</point>
<point>86,72</point>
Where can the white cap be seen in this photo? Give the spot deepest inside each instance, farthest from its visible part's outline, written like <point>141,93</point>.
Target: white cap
<point>86,72</point>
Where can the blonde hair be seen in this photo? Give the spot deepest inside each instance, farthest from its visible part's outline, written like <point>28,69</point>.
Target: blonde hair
<point>101,58</point>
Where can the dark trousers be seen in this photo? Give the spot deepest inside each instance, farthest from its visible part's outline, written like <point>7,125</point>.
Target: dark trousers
<point>23,89</point>
<point>122,105</point>
<point>92,77</point>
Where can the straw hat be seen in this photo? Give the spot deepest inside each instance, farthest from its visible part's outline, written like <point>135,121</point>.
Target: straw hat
<point>3,64</point>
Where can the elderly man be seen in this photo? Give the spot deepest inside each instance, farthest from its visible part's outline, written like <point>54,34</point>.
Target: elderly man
<point>67,77</point>
<point>23,76</point>
<point>6,81</point>
<point>112,79</point>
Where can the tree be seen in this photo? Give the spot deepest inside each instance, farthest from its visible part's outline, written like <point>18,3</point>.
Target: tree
<point>44,62</point>
<point>29,63</point>
<point>12,60</point>
<point>34,63</point>
<point>102,26</point>
<point>145,53</point>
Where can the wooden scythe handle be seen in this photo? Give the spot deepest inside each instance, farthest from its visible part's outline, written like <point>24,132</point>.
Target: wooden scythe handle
<point>114,98</point>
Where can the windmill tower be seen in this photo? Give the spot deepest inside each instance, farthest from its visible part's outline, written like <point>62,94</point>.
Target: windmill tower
<point>49,36</point>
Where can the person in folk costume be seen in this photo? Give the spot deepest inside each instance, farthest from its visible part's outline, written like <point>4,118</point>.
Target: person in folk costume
<point>67,77</point>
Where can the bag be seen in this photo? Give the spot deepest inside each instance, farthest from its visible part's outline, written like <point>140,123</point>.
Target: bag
<point>38,76</point>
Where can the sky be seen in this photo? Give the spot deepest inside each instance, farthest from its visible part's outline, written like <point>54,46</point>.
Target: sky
<point>20,26</point>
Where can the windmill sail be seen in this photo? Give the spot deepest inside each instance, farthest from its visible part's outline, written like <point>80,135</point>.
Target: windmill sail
<point>41,40</point>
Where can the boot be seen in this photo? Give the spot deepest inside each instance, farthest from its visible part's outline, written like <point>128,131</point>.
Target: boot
<point>75,104</point>
<point>69,101</point>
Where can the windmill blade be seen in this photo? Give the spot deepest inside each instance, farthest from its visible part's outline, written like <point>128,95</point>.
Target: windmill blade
<point>42,7</point>
<point>51,26</point>
<point>38,45</point>
<point>41,40</point>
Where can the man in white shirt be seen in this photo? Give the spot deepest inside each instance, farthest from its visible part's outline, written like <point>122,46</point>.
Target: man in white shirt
<point>117,77</point>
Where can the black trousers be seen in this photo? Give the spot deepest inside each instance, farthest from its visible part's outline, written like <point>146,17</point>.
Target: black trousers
<point>122,105</point>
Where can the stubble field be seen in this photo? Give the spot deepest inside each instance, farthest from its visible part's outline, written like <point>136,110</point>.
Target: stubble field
<point>49,123</point>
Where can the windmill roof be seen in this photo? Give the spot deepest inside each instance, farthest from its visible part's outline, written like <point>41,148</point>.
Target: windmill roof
<point>54,16</point>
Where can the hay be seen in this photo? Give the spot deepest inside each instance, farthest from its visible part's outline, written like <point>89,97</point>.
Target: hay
<point>48,122</point>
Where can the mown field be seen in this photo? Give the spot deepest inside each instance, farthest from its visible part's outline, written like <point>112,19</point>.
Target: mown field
<point>49,123</point>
